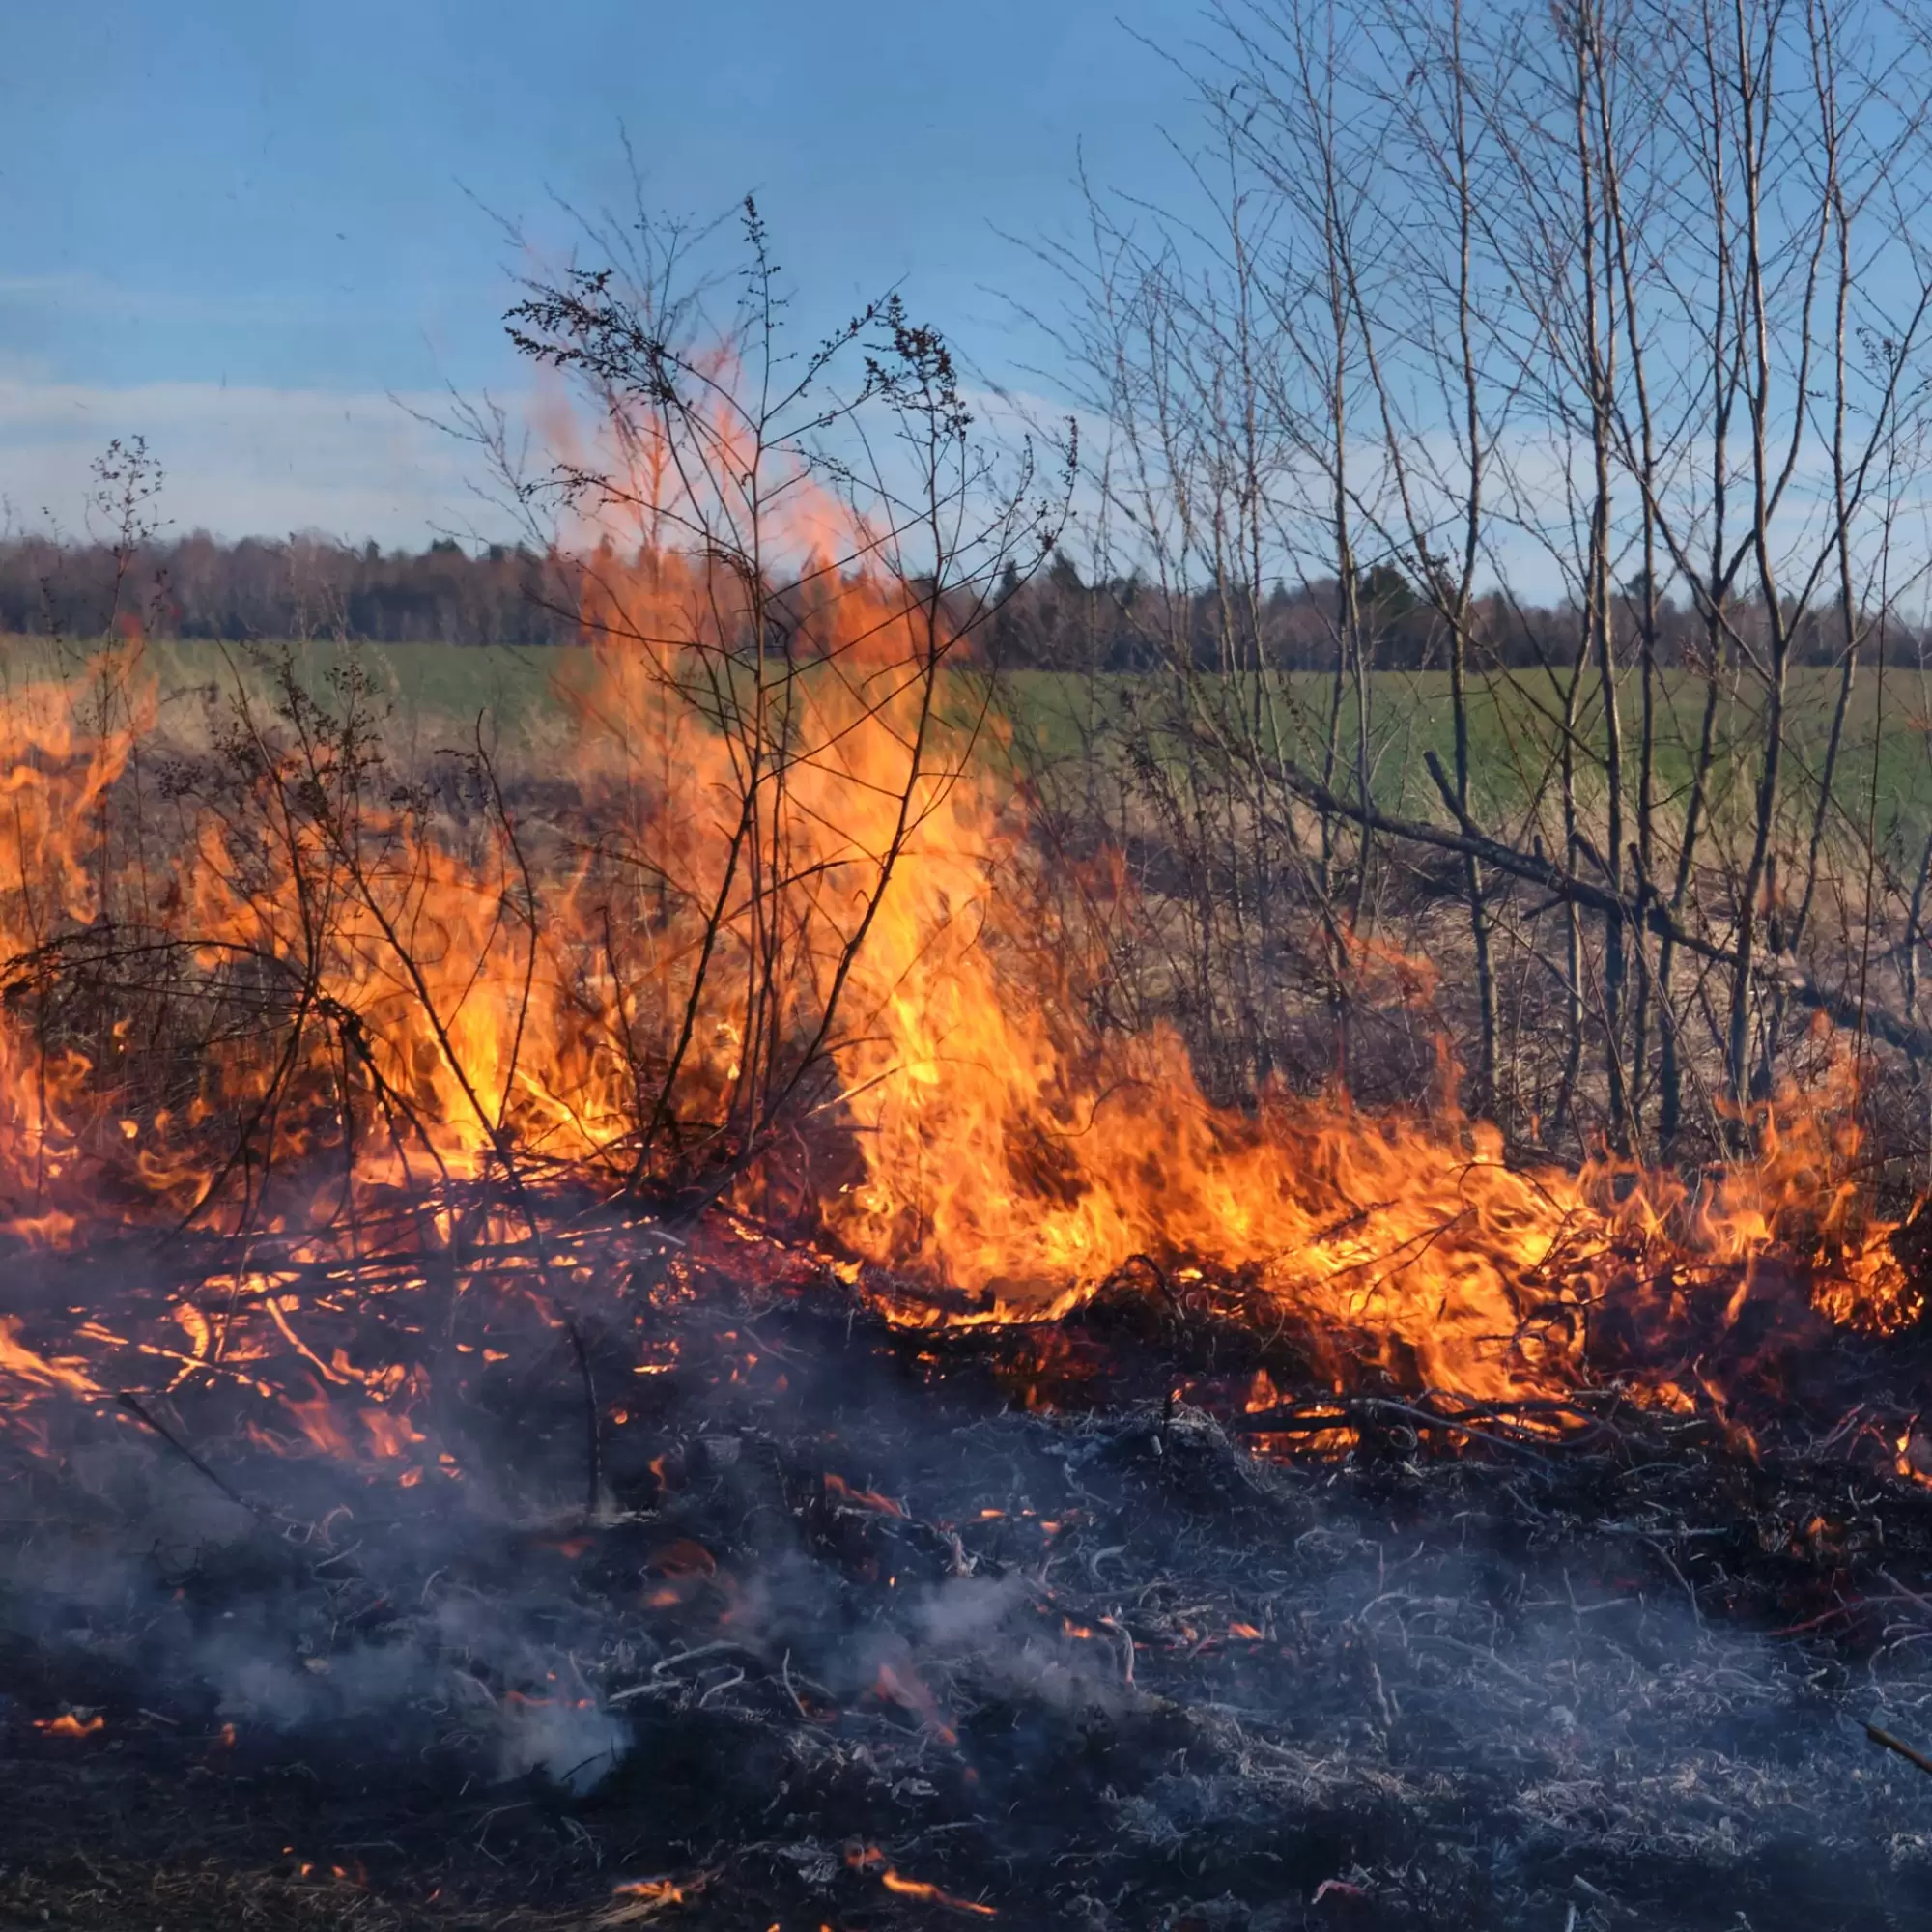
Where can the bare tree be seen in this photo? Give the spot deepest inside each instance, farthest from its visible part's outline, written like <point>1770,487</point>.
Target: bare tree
<point>1618,300</point>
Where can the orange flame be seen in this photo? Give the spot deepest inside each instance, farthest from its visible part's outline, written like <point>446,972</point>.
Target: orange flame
<point>472,996</point>
<point>67,1725</point>
<point>839,1487</point>
<point>912,1888</point>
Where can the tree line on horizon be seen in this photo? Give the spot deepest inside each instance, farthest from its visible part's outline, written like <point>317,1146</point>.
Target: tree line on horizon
<point>307,588</point>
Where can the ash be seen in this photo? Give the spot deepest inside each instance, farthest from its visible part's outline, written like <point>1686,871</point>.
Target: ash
<point>853,1638</point>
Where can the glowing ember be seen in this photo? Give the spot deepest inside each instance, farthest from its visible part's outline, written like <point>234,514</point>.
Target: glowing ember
<point>842,1490</point>
<point>901,1685</point>
<point>912,1888</point>
<point>868,1858</point>
<point>69,1726</point>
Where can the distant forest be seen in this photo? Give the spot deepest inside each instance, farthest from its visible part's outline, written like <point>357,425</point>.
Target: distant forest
<point>306,587</point>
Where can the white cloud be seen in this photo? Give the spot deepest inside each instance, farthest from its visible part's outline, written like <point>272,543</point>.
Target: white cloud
<point>244,461</point>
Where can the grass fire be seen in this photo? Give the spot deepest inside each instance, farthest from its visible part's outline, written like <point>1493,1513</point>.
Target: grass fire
<point>1151,1161</point>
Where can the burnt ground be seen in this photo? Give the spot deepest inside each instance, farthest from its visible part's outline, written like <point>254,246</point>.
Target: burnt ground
<point>878,1629</point>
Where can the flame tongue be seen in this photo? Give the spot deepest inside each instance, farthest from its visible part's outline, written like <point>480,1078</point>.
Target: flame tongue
<point>1012,1153</point>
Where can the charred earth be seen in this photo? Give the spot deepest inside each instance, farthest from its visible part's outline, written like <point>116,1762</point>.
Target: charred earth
<point>716,1598</point>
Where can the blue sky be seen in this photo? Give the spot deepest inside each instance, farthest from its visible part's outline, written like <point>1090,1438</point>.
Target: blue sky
<point>239,228</point>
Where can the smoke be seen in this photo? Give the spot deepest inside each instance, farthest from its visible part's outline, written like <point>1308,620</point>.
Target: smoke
<point>147,1585</point>
<point>886,1606</point>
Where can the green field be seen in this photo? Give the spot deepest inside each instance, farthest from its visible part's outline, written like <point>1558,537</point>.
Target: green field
<point>1884,763</point>
<point>426,695</point>
<point>432,696</point>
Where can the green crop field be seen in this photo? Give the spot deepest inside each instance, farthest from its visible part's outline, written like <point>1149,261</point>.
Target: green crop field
<point>432,696</point>
<point>426,695</point>
<point>1884,763</point>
